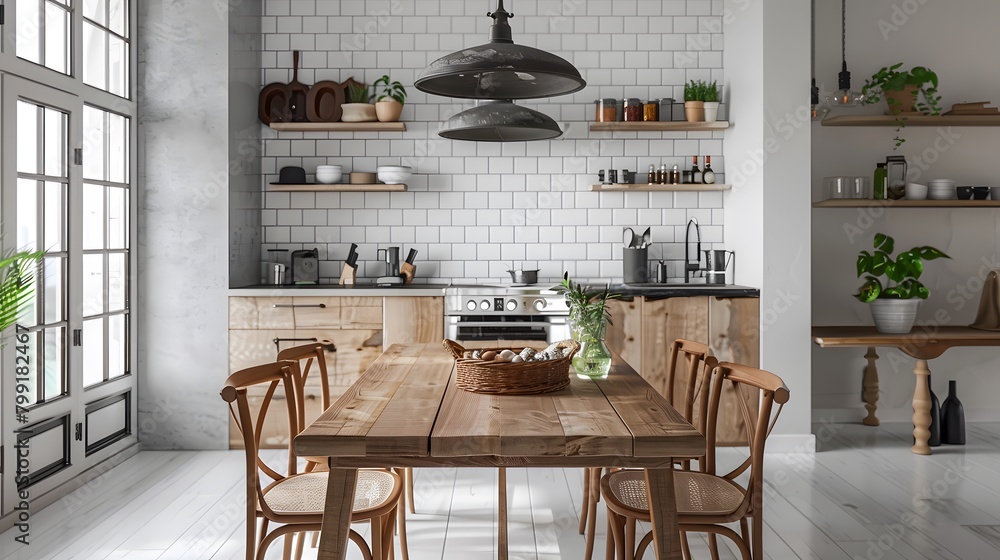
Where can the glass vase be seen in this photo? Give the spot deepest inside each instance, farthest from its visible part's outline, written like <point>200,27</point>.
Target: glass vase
<point>593,360</point>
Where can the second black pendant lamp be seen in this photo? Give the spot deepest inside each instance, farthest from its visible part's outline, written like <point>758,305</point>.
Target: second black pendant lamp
<point>500,69</point>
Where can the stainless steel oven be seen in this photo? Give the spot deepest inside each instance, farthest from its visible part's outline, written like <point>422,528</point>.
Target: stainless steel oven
<point>486,313</point>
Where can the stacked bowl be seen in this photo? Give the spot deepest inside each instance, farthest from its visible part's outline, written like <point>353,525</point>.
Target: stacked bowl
<point>941,189</point>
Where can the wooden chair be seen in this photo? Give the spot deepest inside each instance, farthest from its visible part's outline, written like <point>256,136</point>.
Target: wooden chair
<point>294,499</point>
<point>697,362</point>
<point>315,353</point>
<point>705,500</point>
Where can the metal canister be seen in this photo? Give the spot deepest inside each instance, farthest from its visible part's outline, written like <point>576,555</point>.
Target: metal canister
<point>661,272</point>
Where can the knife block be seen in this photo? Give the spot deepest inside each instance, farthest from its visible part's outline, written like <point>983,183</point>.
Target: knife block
<point>407,271</point>
<point>349,275</point>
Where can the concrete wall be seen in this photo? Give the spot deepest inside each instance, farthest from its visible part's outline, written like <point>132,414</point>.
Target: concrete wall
<point>957,40</point>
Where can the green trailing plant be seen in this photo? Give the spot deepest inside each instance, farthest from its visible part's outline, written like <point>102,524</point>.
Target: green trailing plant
<point>901,275</point>
<point>390,90</point>
<point>588,310</point>
<point>17,270</point>
<point>358,93</point>
<point>890,78</point>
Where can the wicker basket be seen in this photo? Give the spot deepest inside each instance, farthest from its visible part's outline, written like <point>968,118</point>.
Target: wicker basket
<point>507,378</point>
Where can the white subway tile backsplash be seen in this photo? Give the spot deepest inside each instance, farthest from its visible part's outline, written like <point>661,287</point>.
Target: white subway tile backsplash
<point>470,205</point>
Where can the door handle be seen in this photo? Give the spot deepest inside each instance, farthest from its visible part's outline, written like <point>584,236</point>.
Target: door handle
<point>294,305</point>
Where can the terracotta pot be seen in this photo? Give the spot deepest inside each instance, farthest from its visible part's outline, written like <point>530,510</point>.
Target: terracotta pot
<point>694,111</point>
<point>894,316</point>
<point>388,110</point>
<point>358,112</point>
<point>903,100</point>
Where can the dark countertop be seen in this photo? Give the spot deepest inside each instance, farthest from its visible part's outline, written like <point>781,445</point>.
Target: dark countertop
<point>658,291</point>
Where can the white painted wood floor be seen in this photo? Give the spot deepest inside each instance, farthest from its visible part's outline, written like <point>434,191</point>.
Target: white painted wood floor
<point>863,496</point>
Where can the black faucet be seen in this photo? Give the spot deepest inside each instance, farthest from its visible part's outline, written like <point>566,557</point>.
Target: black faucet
<point>690,266</point>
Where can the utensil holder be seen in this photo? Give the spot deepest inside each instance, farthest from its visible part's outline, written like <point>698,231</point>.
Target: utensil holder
<point>635,263</point>
<point>348,275</point>
<point>407,271</point>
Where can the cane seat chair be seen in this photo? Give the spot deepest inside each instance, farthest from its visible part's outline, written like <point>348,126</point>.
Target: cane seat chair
<point>688,393</point>
<point>706,501</point>
<point>295,500</point>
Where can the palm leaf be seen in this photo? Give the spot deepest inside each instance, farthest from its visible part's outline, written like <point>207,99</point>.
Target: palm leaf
<point>17,286</point>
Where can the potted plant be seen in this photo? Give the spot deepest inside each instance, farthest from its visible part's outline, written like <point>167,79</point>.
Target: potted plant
<point>711,95</point>
<point>903,92</point>
<point>893,303</point>
<point>16,285</point>
<point>694,101</point>
<point>358,107</point>
<point>389,104</point>
<point>589,317</point>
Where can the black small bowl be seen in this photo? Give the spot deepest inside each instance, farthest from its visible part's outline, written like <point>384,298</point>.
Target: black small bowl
<point>964,193</point>
<point>980,193</point>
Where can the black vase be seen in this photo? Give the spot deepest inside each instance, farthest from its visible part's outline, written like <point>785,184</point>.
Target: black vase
<point>952,418</point>
<point>935,439</point>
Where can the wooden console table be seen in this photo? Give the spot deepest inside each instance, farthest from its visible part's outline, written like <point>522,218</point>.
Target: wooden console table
<point>922,343</point>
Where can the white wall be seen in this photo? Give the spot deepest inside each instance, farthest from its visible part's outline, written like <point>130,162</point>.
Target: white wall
<point>475,207</point>
<point>957,40</point>
<point>768,221</point>
<point>183,244</point>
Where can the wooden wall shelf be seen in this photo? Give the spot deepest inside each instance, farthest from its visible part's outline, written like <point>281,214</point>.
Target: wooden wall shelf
<point>337,187</point>
<point>913,120</point>
<point>864,203</point>
<point>338,126</point>
<point>640,187</point>
<point>657,126</point>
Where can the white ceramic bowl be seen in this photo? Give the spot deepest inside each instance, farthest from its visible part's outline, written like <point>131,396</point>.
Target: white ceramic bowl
<point>941,194</point>
<point>916,191</point>
<point>328,174</point>
<point>393,174</point>
<point>941,183</point>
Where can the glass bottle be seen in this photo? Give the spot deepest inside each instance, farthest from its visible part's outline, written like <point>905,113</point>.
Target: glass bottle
<point>879,182</point>
<point>651,177</point>
<point>675,176</point>
<point>695,171</point>
<point>593,360</point>
<point>662,176</point>
<point>708,175</point>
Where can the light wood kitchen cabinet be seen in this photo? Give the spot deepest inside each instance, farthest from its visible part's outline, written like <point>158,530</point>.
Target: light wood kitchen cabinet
<point>663,321</point>
<point>624,336</point>
<point>360,327</point>
<point>413,319</point>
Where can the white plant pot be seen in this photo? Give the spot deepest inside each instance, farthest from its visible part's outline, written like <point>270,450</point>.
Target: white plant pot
<point>358,112</point>
<point>894,316</point>
<point>711,111</point>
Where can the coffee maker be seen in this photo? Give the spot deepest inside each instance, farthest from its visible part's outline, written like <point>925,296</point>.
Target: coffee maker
<point>716,264</point>
<point>392,276</point>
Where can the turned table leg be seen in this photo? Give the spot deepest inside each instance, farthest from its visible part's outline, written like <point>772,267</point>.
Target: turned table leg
<point>921,410</point>
<point>871,388</point>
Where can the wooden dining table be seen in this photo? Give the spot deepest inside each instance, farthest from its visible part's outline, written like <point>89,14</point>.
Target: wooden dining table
<point>406,411</point>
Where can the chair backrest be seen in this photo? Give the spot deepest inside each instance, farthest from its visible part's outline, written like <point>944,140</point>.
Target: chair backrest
<point>751,385</point>
<point>306,355</point>
<point>694,362</point>
<point>272,376</point>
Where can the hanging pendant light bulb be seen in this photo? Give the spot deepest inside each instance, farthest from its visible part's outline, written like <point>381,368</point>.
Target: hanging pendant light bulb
<point>844,96</point>
<point>817,110</point>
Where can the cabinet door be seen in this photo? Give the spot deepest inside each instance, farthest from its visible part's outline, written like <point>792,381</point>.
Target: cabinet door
<point>664,321</point>
<point>625,331</point>
<point>412,319</point>
<point>734,337</point>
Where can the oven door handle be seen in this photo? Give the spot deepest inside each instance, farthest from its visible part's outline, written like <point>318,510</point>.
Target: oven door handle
<point>502,323</point>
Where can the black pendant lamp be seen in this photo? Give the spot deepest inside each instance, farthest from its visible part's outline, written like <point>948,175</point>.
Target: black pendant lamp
<point>844,96</point>
<point>817,110</point>
<point>500,121</point>
<point>500,69</point>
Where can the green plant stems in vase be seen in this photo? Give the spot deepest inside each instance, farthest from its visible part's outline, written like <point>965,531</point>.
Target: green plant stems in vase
<point>589,317</point>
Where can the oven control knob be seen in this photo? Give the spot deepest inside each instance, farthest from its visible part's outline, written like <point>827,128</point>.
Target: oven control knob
<point>511,305</point>
<point>539,304</point>
<point>471,306</point>
<point>485,305</point>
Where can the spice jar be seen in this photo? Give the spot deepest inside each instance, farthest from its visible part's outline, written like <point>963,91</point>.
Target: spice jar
<point>666,109</point>
<point>650,110</point>
<point>633,109</point>
<point>606,110</point>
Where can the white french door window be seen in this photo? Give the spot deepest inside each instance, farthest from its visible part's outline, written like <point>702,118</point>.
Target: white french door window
<point>67,172</point>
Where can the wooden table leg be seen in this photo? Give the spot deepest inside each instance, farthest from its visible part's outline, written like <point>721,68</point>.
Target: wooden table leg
<point>337,514</point>
<point>663,513</point>
<point>921,410</point>
<point>871,388</point>
<point>502,513</point>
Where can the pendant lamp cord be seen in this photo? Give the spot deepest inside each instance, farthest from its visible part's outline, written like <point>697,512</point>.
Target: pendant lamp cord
<point>844,78</point>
